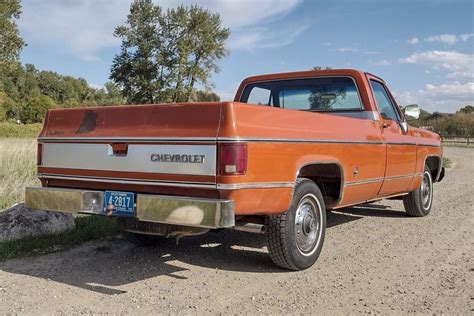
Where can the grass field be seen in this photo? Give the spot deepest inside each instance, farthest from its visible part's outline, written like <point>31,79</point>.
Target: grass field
<point>17,169</point>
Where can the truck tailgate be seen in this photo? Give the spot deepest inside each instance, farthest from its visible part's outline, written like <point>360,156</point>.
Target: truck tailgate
<point>156,143</point>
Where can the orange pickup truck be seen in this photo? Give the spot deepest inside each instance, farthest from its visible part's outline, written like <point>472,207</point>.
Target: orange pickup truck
<point>288,148</point>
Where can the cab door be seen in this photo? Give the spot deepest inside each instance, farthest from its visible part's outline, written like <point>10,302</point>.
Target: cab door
<point>400,146</point>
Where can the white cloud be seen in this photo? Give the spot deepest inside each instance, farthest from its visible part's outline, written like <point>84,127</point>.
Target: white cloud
<point>455,90</point>
<point>466,37</point>
<point>413,40</point>
<point>382,62</point>
<point>447,60</point>
<point>449,39</point>
<point>348,50</point>
<point>356,50</point>
<point>461,75</point>
<point>265,37</point>
<point>85,27</point>
<point>446,97</point>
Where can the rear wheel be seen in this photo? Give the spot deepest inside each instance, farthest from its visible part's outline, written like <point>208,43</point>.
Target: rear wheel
<point>418,203</point>
<point>296,237</point>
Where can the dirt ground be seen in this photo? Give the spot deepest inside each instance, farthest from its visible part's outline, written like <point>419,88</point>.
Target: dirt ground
<point>375,260</point>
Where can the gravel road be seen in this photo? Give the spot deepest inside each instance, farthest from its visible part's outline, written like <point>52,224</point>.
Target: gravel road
<point>375,260</point>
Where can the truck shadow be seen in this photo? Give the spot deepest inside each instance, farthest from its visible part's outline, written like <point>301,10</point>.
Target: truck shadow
<point>106,267</point>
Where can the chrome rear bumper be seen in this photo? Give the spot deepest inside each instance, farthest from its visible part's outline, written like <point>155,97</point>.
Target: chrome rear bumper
<point>186,211</point>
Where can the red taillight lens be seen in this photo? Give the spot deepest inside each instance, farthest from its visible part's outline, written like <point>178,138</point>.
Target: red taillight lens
<point>39,155</point>
<point>232,159</point>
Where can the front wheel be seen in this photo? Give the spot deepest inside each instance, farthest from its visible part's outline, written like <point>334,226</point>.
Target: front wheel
<point>418,203</point>
<point>296,237</point>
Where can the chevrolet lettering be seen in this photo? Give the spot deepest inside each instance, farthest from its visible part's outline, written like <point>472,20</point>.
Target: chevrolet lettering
<point>288,148</point>
<point>177,158</point>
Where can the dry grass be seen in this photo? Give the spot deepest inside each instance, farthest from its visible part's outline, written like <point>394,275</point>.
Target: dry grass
<point>17,169</point>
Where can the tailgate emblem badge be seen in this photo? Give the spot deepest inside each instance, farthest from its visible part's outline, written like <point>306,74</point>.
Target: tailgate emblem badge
<point>178,158</point>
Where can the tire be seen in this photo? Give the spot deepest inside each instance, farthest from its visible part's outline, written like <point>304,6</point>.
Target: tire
<point>296,237</point>
<point>418,203</point>
<point>143,239</point>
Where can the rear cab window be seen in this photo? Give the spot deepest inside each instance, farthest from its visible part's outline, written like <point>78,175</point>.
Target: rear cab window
<point>323,94</point>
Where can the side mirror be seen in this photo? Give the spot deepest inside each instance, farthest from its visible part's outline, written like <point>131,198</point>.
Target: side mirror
<point>404,127</point>
<point>412,111</point>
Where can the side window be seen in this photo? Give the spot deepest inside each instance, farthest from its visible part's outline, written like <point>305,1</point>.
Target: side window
<point>260,96</point>
<point>384,102</point>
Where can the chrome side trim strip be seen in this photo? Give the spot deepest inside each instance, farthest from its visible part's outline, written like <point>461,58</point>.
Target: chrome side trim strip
<point>374,180</point>
<point>429,145</point>
<point>297,140</point>
<point>401,143</point>
<point>221,139</point>
<point>127,139</point>
<point>256,185</point>
<point>204,185</point>
<point>201,139</point>
<point>350,183</point>
<point>402,177</point>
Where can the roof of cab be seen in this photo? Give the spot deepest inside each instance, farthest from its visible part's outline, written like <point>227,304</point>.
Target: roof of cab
<point>303,74</point>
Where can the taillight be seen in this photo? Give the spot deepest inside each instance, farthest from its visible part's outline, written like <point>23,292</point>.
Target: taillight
<point>39,155</point>
<point>232,159</point>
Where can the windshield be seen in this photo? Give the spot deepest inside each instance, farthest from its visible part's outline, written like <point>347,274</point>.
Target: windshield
<point>312,94</point>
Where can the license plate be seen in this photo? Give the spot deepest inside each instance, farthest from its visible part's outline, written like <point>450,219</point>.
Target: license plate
<point>119,203</point>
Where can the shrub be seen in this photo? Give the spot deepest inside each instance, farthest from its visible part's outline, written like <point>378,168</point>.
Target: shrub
<point>8,107</point>
<point>35,109</point>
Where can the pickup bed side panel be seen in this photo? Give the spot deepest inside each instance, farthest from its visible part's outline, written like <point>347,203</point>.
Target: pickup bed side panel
<point>280,142</point>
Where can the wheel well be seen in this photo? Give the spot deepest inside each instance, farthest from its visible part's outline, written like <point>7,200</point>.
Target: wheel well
<point>433,163</point>
<point>328,177</point>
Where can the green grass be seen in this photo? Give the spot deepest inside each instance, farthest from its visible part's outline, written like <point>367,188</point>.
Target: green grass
<point>446,162</point>
<point>12,130</point>
<point>87,228</point>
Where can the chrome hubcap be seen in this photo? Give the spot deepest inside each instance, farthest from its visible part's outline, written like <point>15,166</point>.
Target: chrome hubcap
<point>425,190</point>
<point>307,224</point>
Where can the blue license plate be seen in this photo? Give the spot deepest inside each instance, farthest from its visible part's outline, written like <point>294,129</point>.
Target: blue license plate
<point>119,203</point>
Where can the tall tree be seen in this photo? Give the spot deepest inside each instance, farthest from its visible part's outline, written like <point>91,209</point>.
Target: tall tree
<point>164,55</point>
<point>10,40</point>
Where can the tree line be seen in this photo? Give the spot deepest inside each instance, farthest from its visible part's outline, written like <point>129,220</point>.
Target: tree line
<point>459,124</point>
<point>165,56</point>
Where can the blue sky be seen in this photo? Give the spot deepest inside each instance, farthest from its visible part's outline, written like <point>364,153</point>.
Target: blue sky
<point>423,49</point>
